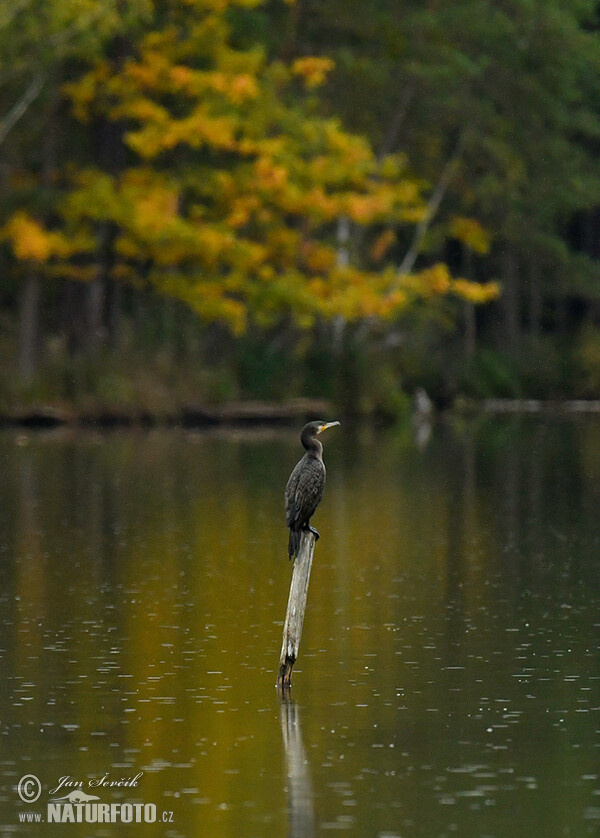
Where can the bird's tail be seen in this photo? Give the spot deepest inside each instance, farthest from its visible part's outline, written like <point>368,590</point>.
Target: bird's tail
<point>294,543</point>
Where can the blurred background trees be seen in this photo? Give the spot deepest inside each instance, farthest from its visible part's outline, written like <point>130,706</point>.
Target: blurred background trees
<point>352,198</point>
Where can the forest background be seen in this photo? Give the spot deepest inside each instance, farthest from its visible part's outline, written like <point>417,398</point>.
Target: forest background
<point>208,200</point>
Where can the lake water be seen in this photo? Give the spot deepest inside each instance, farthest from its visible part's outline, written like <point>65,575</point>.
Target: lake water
<point>448,681</point>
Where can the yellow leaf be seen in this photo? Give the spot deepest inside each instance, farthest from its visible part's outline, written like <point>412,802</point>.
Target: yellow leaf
<point>240,88</point>
<point>312,69</point>
<point>30,240</point>
<point>434,280</point>
<point>155,208</point>
<point>476,292</point>
<point>472,233</point>
<point>318,257</point>
<point>382,245</point>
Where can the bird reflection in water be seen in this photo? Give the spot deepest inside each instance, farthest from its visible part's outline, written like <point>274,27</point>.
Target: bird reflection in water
<point>299,785</point>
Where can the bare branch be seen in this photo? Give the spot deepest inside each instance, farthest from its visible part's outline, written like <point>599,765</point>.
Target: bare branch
<point>391,136</point>
<point>56,42</point>
<point>432,207</point>
<point>20,107</point>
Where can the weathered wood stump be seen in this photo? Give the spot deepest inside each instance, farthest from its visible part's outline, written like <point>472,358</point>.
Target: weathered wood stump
<point>294,618</point>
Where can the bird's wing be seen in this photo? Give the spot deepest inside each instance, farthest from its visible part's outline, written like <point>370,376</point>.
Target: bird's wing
<point>304,491</point>
<point>290,495</point>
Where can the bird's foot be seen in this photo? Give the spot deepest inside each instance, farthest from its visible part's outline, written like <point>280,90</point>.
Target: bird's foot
<point>315,532</point>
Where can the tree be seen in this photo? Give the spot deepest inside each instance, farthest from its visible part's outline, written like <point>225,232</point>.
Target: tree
<point>495,105</point>
<point>40,39</point>
<point>235,184</point>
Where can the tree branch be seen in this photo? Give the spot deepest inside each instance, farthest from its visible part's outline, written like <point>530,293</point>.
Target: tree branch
<point>20,107</point>
<point>432,207</point>
<point>391,136</point>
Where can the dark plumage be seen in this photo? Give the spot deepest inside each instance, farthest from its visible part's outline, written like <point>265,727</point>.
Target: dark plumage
<point>304,489</point>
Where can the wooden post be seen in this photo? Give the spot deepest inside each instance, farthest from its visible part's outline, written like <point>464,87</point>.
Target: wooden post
<point>294,618</point>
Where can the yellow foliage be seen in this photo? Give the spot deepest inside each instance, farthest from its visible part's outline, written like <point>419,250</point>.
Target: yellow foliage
<point>435,280</point>
<point>270,175</point>
<point>155,208</point>
<point>256,230</point>
<point>316,203</point>
<point>143,110</point>
<point>355,294</point>
<point>318,258</point>
<point>148,72</point>
<point>205,296</point>
<point>382,245</point>
<point>283,244</point>
<point>237,87</point>
<point>78,273</point>
<point>242,87</point>
<point>364,209</point>
<point>472,233</point>
<point>31,241</point>
<point>181,76</point>
<point>218,131</point>
<point>200,128</point>
<point>84,91</point>
<point>312,69</point>
<point>242,209</point>
<point>476,292</point>
<point>397,299</point>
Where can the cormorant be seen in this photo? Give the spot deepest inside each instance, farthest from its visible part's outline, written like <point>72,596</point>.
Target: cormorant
<point>304,489</point>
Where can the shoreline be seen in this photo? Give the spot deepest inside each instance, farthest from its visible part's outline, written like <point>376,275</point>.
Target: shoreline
<point>238,414</point>
<point>256,413</point>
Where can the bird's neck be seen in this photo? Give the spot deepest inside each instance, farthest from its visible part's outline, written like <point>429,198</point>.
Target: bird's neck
<point>314,449</point>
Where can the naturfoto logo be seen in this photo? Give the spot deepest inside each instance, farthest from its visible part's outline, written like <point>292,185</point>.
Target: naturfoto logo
<point>72,804</point>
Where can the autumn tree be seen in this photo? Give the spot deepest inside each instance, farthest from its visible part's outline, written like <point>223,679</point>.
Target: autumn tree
<point>496,105</point>
<point>235,189</point>
<point>41,42</point>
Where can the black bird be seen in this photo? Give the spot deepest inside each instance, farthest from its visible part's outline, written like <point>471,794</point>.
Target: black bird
<point>304,489</point>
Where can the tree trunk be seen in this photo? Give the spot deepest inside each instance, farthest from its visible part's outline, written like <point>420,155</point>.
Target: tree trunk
<point>29,320</point>
<point>470,330</point>
<point>469,308</point>
<point>535,298</point>
<point>31,293</point>
<point>94,310</point>
<point>113,314</point>
<point>511,300</point>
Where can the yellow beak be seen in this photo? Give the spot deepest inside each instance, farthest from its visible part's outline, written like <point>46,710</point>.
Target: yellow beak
<point>327,425</point>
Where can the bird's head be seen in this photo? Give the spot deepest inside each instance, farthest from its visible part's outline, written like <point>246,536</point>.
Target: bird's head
<point>312,430</point>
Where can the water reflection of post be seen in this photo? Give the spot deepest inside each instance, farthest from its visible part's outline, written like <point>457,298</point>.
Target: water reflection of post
<point>300,791</point>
